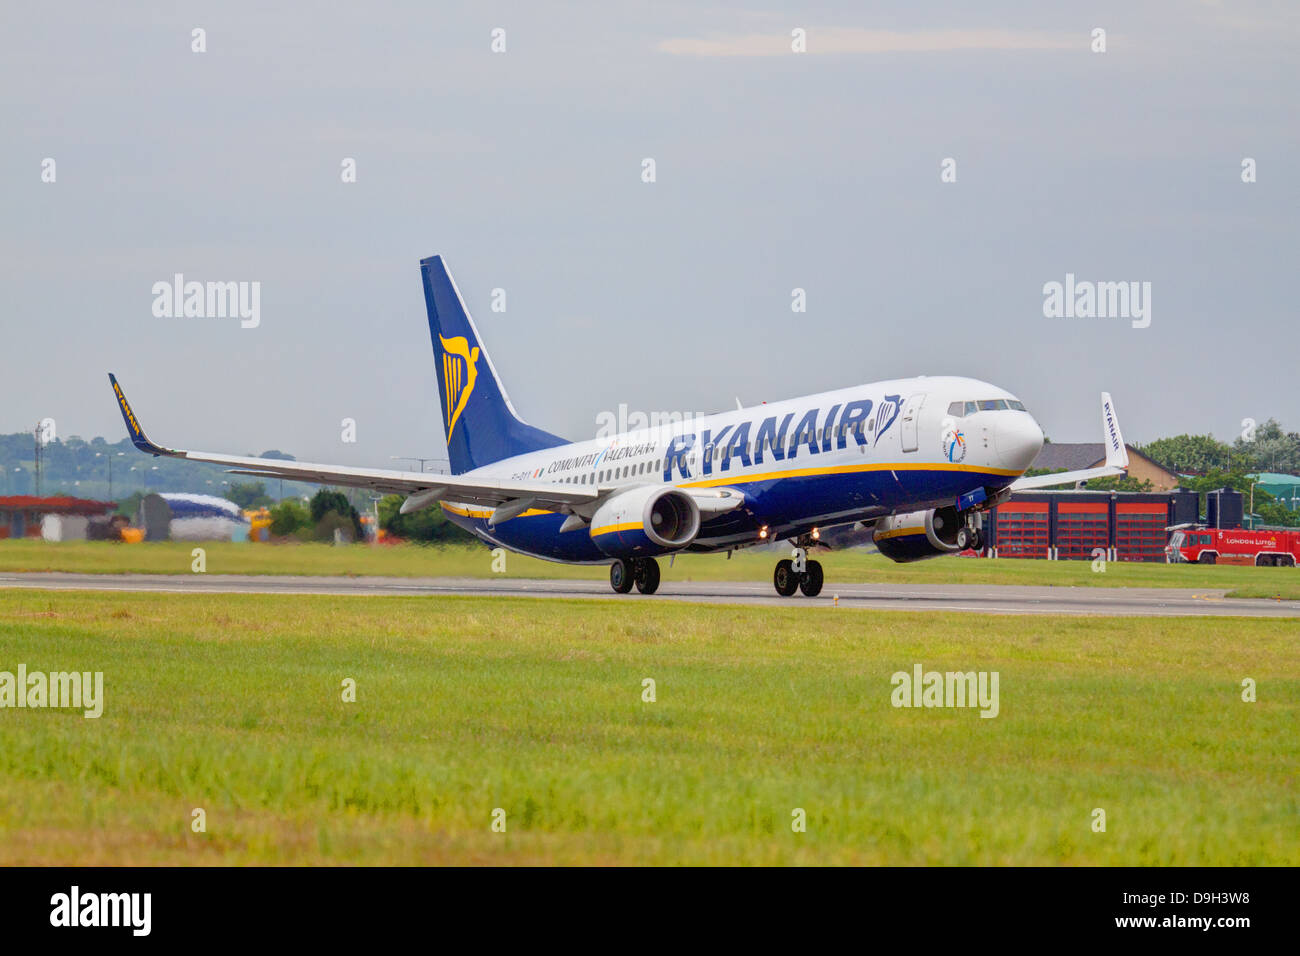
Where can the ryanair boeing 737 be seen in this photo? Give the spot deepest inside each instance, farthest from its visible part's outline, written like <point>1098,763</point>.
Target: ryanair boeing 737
<point>910,463</point>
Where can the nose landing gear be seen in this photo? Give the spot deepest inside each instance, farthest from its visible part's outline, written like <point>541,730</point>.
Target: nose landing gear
<point>798,574</point>
<point>971,535</point>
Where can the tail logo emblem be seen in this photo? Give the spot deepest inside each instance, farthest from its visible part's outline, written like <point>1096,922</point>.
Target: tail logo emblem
<point>459,371</point>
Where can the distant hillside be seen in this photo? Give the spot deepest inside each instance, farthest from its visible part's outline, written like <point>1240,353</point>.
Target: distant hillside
<point>77,467</point>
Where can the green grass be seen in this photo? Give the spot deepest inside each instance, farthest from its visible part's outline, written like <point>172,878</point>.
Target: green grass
<point>232,704</point>
<point>476,561</point>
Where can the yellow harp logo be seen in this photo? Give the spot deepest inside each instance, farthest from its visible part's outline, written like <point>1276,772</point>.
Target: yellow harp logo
<point>459,371</point>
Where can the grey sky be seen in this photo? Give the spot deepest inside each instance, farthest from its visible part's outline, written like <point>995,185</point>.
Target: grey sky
<point>775,171</point>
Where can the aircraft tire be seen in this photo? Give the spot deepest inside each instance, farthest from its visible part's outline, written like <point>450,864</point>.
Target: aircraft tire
<point>810,583</point>
<point>620,576</point>
<point>647,575</point>
<point>784,579</point>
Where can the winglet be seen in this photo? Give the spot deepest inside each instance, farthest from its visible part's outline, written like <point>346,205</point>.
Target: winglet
<point>1116,450</point>
<point>133,429</point>
<point>1116,457</point>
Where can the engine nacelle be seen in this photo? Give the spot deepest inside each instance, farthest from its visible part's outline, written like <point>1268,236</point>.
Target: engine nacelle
<point>643,522</point>
<point>918,534</point>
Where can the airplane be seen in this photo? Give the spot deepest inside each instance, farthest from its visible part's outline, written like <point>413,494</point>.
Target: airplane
<point>909,464</point>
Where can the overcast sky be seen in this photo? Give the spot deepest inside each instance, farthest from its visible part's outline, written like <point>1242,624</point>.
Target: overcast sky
<point>775,170</point>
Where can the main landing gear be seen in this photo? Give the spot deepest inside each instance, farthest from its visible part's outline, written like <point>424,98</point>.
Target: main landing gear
<point>643,572</point>
<point>798,574</point>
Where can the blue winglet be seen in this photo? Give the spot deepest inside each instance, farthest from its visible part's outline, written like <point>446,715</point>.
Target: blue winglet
<point>133,429</point>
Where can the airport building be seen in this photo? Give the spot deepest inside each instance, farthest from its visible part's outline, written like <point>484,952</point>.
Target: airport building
<point>1079,456</point>
<point>1126,526</point>
<point>1284,488</point>
<point>57,518</point>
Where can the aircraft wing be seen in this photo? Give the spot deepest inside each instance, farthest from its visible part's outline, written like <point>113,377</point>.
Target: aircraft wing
<point>421,489</point>
<point>1116,456</point>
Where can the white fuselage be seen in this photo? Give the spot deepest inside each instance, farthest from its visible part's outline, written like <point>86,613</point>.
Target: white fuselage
<point>818,460</point>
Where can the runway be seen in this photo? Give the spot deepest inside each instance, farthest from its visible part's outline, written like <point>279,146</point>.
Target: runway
<point>967,598</point>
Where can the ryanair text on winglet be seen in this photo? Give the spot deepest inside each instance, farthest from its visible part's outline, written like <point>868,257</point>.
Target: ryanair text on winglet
<point>126,409</point>
<point>58,689</point>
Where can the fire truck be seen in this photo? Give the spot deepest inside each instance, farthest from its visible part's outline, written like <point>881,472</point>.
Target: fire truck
<point>1262,547</point>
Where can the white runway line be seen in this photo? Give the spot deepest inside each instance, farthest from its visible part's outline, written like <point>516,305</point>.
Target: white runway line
<point>946,598</point>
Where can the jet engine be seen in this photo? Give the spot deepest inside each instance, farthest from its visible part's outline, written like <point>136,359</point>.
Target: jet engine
<point>919,534</point>
<point>645,521</point>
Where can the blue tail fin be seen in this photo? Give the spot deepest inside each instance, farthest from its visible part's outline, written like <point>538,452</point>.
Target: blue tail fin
<point>481,424</point>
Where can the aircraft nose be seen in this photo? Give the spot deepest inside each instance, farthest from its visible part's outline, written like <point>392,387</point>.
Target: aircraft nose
<point>1018,440</point>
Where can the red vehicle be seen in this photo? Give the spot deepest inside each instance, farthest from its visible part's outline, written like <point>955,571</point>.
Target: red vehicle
<point>1277,548</point>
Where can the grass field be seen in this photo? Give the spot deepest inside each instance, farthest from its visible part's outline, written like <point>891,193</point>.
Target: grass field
<point>173,557</point>
<point>464,705</point>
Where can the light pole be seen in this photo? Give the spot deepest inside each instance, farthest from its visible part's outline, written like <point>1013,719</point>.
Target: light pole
<point>375,499</point>
<point>109,456</point>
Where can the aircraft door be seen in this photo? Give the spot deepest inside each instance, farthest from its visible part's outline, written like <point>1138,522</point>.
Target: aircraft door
<point>911,421</point>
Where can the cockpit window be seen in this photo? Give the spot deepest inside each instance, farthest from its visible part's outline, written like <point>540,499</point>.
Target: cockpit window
<point>987,405</point>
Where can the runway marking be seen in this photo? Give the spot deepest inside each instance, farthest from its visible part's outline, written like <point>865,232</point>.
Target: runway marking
<point>948,598</point>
